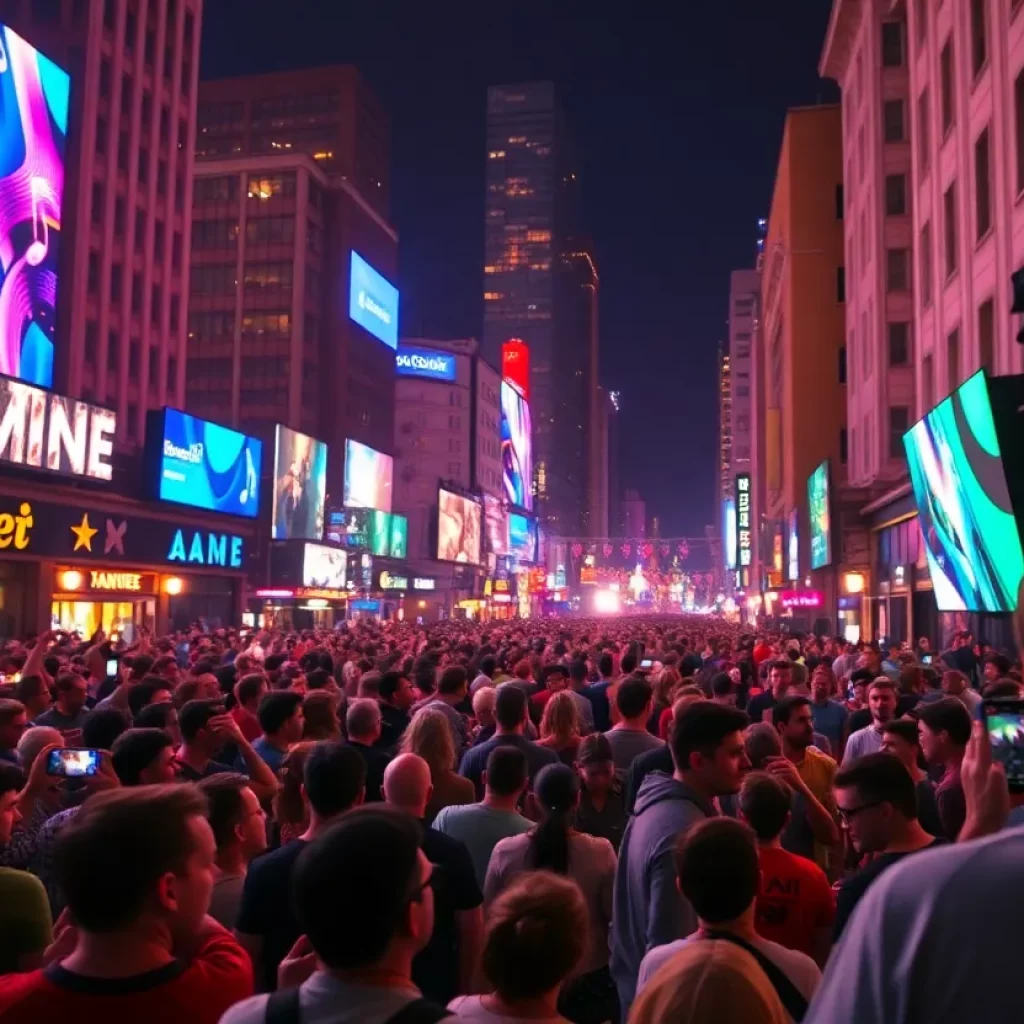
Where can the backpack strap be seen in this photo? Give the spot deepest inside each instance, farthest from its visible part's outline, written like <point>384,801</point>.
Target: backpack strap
<point>419,1011</point>
<point>283,1007</point>
<point>790,996</point>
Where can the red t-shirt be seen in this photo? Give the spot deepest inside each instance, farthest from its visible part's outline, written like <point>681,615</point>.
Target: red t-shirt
<point>178,993</point>
<point>540,700</point>
<point>795,900</point>
<point>247,722</point>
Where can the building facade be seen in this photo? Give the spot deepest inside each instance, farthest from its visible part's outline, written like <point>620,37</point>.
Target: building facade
<point>725,472</point>
<point>634,515</point>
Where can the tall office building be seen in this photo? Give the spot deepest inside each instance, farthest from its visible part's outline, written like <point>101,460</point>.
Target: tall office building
<point>725,472</point>
<point>540,284</point>
<point>128,192</point>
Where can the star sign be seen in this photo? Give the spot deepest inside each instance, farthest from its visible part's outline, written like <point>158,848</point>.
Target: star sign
<point>84,534</point>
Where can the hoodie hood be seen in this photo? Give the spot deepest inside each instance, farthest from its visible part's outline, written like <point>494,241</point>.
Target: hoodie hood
<point>658,787</point>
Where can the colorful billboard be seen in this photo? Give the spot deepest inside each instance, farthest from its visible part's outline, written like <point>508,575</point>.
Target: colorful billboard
<point>515,365</point>
<point>516,448</point>
<point>496,522</point>
<point>373,301</point>
<point>793,547</point>
<point>398,546</point>
<point>33,129</point>
<point>369,475</point>
<point>744,526</point>
<point>522,536</point>
<point>380,532</point>
<point>300,485</point>
<point>324,567</point>
<point>729,532</point>
<point>411,361</point>
<point>820,516</point>
<point>458,528</point>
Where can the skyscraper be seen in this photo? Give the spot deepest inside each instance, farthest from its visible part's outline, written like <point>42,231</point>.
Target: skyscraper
<point>540,284</point>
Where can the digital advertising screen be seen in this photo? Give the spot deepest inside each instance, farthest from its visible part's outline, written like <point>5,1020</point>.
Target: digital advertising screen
<point>496,523</point>
<point>373,301</point>
<point>398,546</point>
<point>324,567</point>
<point>820,513</point>
<point>411,361</point>
<point>967,520</point>
<point>33,127</point>
<point>729,531</point>
<point>355,531</point>
<point>793,546</point>
<point>369,475</point>
<point>380,532</point>
<point>516,448</point>
<point>203,464</point>
<point>458,528</point>
<point>522,538</point>
<point>300,485</point>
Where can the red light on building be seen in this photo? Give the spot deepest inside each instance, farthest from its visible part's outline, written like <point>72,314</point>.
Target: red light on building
<point>515,365</point>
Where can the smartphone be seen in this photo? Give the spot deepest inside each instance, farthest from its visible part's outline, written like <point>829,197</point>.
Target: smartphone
<point>115,636</point>
<point>646,664</point>
<point>111,667</point>
<point>927,659</point>
<point>73,762</point>
<point>1004,720</point>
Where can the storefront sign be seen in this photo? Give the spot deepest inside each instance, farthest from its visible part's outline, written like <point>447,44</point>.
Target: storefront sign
<point>106,581</point>
<point>202,547</point>
<point>322,593</point>
<point>389,582</point>
<point>802,598</point>
<point>744,543</point>
<point>424,583</point>
<point>15,530</point>
<point>101,580</point>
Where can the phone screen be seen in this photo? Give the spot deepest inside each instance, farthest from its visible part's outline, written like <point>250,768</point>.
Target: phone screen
<point>926,659</point>
<point>647,663</point>
<point>1004,720</point>
<point>111,666</point>
<point>73,762</point>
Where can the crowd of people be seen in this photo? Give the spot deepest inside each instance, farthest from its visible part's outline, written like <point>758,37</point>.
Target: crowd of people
<point>646,819</point>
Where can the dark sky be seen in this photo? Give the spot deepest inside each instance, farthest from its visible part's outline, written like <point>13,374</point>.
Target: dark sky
<point>678,120</point>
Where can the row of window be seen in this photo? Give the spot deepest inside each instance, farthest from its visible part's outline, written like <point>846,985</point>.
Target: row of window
<point>222,279</point>
<point>220,324</point>
<point>223,233</point>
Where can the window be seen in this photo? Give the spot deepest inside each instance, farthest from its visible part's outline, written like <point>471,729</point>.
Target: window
<point>926,264</point>
<point>94,272</point>
<point>90,342</point>
<point>264,187</point>
<point>982,186</point>
<point>213,279</point>
<point>105,78</point>
<point>953,359</point>
<point>221,189</point>
<point>843,446</point>
<point>892,44</point>
<point>266,324</point>
<point>108,15</point>
<point>156,306</point>
<point>842,364</point>
<point>899,424</point>
<point>986,335</point>
<point>946,84</point>
<point>176,250</point>
<point>260,277</point>
<point>219,234</point>
<point>115,283</point>
<point>133,358</point>
<point>97,202</point>
<point>979,50</point>
<point>268,230</point>
<point>921,18</point>
<point>126,96</point>
<point>839,202</point>
<point>143,165</point>
<point>896,276</point>
<point>158,240</point>
<point>122,152</point>
<point>140,227</point>
<point>899,344</point>
<point>113,347</point>
<point>119,216</point>
<point>892,117</point>
<point>927,382</point>
<point>136,293</point>
<point>101,135</point>
<point>840,284</point>
<point>895,195</point>
<point>949,227</point>
<point>923,133</point>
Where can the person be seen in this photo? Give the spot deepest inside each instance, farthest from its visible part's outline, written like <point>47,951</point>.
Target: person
<point>556,679</point>
<point>630,738</point>
<point>396,696</point>
<point>150,690</point>
<point>13,723</point>
<point>280,718</point>
<point>578,692</point>
<point>994,666</point>
<point>830,716</point>
<point>484,701</point>
<point>944,728</point>
<point>554,845</point>
<point>878,805</point>
<point>249,691</point>
<point>602,807</point>
<point>334,782</point>
<point>485,677</point>
<point>25,922</point>
<point>857,705</point>
<point>69,710</point>
<point>291,810</point>
<point>718,873</point>
<point>482,825</point>
<point>359,941</point>
<point>160,716</point>
<point>709,758</point>
<point>795,905</point>
<point>239,829</point>
<point>598,693</point>
<point>560,727</point>
<point>137,867</point>
<point>882,705</point>
<point>363,725</point>
<point>34,696</point>
<point>723,689</point>
<point>452,688</point>
<point>319,717</point>
<point>535,938</point>
<point>956,684</point>
<point>901,738</point>
<point>430,737</point>
<point>510,713</point>
<point>780,677</point>
<point>448,963</point>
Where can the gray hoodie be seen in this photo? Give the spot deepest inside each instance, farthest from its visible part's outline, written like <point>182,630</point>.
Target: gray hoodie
<point>647,908</point>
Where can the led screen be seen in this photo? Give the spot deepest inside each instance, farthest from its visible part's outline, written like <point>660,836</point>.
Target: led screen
<point>203,464</point>
<point>33,130</point>
<point>398,546</point>
<point>380,532</point>
<point>496,521</point>
<point>521,536</point>
<point>324,567</point>
<point>458,528</point>
<point>424,362</point>
<point>793,547</point>
<point>373,301</point>
<point>355,528</point>
<point>300,483</point>
<point>516,447</point>
<point>818,507</point>
<point>369,475</point>
<point>729,532</point>
<point>970,533</point>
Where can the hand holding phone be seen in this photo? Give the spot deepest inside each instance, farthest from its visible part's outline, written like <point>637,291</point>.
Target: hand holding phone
<point>72,762</point>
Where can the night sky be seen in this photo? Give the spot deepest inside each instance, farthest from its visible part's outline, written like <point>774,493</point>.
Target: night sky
<point>678,121</point>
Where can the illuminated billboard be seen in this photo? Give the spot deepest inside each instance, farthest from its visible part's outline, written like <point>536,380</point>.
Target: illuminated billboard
<point>411,361</point>
<point>324,567</point>
<point>729,532</point>
<point>793,547</point>
<point>515,365</point>
<point>398,546</point>
<point>744,528</point>
<point>496,522</point>
<point>522,536</point>
<point>369,475</point>
<point>458,528</point>
<point>33,129</point>
<point>820,516</point>
<point>300,485</point>
<point>373,301</point>
<point>203,464</point>
<point>380,532</point>
<point>516,448</point>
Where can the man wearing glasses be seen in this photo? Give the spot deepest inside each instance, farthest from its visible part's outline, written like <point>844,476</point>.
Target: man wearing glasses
<point>877,804</point>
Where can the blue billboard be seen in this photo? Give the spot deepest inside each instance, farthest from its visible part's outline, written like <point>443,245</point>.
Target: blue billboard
<point>729,532</point>
<point>522,537</point>
<point>424,362</point>
<point>373,301</point>
<point>203,464</point>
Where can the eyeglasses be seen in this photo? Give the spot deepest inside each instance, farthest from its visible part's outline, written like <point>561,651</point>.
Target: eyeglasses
<point>849,814</point>
<point>433,880</point>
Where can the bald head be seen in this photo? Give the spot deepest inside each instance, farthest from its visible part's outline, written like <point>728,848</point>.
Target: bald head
<point>407,784</point>
<point>33,741</point>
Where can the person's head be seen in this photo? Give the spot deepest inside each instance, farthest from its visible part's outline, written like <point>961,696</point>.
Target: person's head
<point>484,701</point>
<point>138,859</point>
<point>407,784</point>
<point>280,717</point>
<point>994,666</point>
<point>369,685</point>
<point>877,799</point>
<point>944,727</point>
<point>764,804</point>
<point>536,935</point>
<point>429,736</point>
<point>143,757</point>
<point>792,718</point>
<point>34,741</point>
<point>72,691</point>
<point>160,716</point>
<point>167,667</point>
<point>396,689</point>
<point>859,681</point>
<point>510,709</point>
<point>911,679</point>
<point>596,763</point>
<point>882,700</point>
<point>453,683</point>
<point>717,869</point>
<point>780,675</point>
<point>235,816</point>
<point>578,673</point>
<point>823,683</point>
<point>393,900</point>
<point>707,746</point>
<point>197,733</point>
<point>723,690</point>
<point>954,682</point>
<point>250,690</point>
<point>556,678</point>
<point>488,666</point>
<point>208,687</point>
<point>561,720</point>
<point>319,718</point>
<point>102,727</point>
<point>507,774</point>
<point>362,721</point>
<point>13,722</point>
<point>334,779</point>
<point>290,806</point>
<point>873,658</point>
<point>901,739</point>
<point>606,665</point>
<point>634,699</point>
<point>34,694</point>
<point>557,793</point>
<point>151,690</point>
<point>12,779</point>
<point>1007,687</point>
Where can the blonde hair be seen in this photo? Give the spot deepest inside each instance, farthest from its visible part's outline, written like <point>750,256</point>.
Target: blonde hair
<point>666,684</point>
<point>429,736</point>
<point>561,720</point>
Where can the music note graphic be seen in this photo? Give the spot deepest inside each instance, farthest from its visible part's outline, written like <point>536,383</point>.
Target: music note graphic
<point>40,244</point>
<point>250,478</point>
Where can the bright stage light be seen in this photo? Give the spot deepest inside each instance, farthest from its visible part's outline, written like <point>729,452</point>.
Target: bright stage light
<point>606,602</point>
